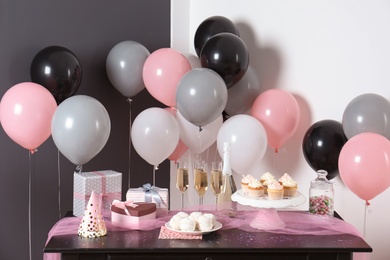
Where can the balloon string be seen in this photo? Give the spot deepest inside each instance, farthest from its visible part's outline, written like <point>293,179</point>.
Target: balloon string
<point>274,162</point>
<point>154,174</point>
<point>29,206</point>
<point>199,139</point>
<point>59,184</point>
<point>79,168</point>
<point>128,173</point>
<point>365,220</point>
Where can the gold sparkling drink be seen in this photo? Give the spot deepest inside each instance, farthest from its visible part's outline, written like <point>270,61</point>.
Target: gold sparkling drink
<point>200,181</point>
<point>182,179</point>
<point>216,181</point>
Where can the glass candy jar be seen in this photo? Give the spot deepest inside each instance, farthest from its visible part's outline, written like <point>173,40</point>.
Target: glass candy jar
<point>321,195</point>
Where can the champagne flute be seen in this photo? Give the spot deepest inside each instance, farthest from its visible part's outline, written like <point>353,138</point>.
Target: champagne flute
<point>216,180</point>
<point>200,180</point>
<point>182,179</point>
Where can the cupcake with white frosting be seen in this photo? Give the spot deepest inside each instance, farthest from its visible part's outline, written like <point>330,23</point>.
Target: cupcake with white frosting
<point>265,179</point>
<point>266,176</point>
<point>290,186</point>
<point>245,182</point>
<point>275,190</point>
<point>255,189</point>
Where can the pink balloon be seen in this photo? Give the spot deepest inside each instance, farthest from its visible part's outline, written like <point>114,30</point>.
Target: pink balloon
<point>26,111</point>
<point>364,165</point>
<point>162,71</point>
<point>181,147</point>
<point>278,111</point>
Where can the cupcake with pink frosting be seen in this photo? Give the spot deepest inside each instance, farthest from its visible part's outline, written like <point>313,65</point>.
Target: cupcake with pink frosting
<point>275,190</point>
<point>245,182</point>
<point>290,186</point>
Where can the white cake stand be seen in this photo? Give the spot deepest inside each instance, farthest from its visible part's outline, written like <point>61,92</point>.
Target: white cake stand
<point>265,202</point>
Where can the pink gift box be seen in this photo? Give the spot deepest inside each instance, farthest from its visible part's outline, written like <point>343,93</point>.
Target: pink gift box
<point>107,183</point>
<point>148,193</point>
<point>132,215</point>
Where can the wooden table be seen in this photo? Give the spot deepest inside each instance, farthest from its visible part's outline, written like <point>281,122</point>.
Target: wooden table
<point>219,245</point>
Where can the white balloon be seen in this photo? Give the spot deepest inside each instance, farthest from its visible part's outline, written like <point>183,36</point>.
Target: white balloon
<point>198,141</point>
<point>155,135</point>
<point>248,140</point>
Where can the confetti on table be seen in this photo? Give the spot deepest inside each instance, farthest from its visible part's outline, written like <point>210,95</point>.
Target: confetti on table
<point>168,234</point>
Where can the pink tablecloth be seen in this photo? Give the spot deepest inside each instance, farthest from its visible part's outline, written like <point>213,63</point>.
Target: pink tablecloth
<point>270,220</point>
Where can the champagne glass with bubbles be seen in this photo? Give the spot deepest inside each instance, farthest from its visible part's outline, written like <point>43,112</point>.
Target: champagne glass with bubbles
<point>182,179</point>
<point>216,179</point>
<point>200,180</point>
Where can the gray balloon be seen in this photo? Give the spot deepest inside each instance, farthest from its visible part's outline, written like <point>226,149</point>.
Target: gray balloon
<point>367,113</point>
<point>124,67</point>
<point>243,94</point>
<point>201,96</point>
<point>80,128</point>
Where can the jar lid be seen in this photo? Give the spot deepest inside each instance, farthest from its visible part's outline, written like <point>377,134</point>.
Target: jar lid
<point>321,182</point>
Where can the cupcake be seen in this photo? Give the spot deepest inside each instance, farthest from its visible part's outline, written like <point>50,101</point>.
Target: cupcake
<point>275,190</point>
<point>255,189</point>
<point>266,182</point>
<point>289,185</point>
<point>244,183</point>
<point>266,176</point>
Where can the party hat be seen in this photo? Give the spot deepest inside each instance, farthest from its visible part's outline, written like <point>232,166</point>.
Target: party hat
<point>92,224</point>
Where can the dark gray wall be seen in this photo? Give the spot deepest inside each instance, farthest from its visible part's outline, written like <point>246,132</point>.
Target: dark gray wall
<point>89,28</point>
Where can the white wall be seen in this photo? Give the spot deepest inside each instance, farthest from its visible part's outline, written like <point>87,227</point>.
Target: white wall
<point>325,52</point>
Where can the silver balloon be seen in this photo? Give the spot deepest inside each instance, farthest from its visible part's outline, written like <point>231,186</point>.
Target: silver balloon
<point>367,113</point>
<point>124,67</point>
<point>193,59</point>
<point>201,96</point>
<point>243,94</point>
<point>80,128</point>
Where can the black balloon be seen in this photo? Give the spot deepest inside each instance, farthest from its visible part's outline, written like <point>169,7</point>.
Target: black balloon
<point>226,54</point>
<point>57,69</point>
<point>322,144</point>
<point>210,27</point>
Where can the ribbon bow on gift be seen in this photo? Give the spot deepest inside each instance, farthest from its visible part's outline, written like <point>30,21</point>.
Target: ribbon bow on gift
<point>151,192</point>
<point>123,205</point>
